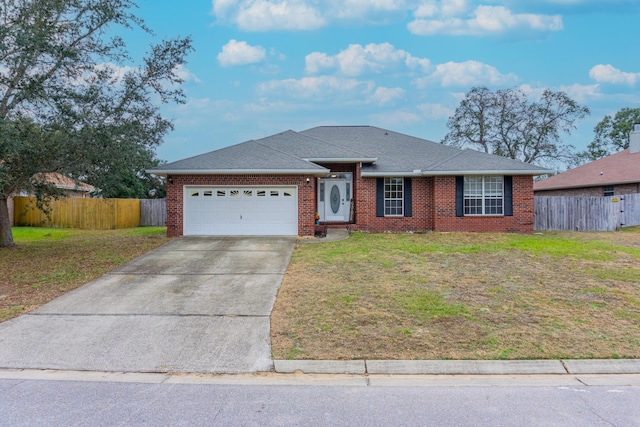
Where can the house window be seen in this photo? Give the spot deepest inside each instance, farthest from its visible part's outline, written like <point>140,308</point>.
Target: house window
<point>607,190</point>
<point>393,196</point>
<point>483,195</point>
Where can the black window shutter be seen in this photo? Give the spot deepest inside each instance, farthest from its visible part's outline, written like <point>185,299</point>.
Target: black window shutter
<point>459,195</point>
<point>380,197</point>
<point>407,197</point>
<point>508,196</point>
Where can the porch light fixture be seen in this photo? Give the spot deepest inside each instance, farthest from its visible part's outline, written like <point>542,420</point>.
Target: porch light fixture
<point>170,179</point>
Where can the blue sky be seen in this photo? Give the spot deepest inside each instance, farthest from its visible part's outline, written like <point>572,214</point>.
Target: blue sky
<point>265,66</point>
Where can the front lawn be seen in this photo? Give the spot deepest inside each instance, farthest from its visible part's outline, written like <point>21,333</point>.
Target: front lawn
<point>462,296</point>
<point>47,262</point>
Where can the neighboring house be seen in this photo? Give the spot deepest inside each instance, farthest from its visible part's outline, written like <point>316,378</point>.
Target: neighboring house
<point>613,175</point>
<point>70,188</point>
<point>363,177</point>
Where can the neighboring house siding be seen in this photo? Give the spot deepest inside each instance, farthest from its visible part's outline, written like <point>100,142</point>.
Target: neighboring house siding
<point>591,191</point>
<point>306,196</point>
<point>445,218</point>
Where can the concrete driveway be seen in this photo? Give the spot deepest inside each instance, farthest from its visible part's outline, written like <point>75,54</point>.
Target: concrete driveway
<point>196,304</point>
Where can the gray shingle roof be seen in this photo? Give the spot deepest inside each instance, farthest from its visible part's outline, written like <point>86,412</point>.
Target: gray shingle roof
<point>247,157</point>
<point>403,154</point>
<point>382,152</point>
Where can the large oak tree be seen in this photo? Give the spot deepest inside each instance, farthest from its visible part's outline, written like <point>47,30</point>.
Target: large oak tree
<point>507,123</point>
<point>72,100</point>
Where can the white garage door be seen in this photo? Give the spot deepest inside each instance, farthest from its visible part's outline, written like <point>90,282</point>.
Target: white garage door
<point>248,211</point>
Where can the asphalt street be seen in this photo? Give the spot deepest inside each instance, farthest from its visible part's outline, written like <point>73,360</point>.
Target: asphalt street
<point>77,403</point>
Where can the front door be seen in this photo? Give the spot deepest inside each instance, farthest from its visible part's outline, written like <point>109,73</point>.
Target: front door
<point>337,200</point>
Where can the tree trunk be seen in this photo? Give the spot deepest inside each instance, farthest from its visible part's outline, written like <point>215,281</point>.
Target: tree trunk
<point>6,236</point>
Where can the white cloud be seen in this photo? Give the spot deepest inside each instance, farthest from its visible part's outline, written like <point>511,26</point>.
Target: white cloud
<point>431,8</point>
<point>263,15</point>
<point>319,88</point>
<point>385,95</point>
<point>300,15</point>
<point>395,118</point>
<point>469,73</point>
<point>609,74</point>
<point>185,74</point>
<point>116,72</point>
<point>578,92</point>
<point>582,93</point>
<point>240,53</point>
<point>331,88</point>
<point>357,60</point>
<point>450,18</point>
<point>435,111</point>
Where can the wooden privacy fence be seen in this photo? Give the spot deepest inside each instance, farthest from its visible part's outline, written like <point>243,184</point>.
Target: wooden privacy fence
<point>586,213</point>
<point>96,214</point>
<point>153,212</point>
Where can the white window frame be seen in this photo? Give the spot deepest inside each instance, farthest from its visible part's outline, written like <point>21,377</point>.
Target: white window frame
<point>480,192</point>
<point>394,196</point>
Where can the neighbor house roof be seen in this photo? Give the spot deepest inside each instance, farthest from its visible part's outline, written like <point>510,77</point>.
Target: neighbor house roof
<point>63,182</point>
<point>620,168</point>
<point>381,152</point>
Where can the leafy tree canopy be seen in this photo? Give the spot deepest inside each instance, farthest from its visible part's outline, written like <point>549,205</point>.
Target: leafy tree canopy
<point>611,135</point>
<point>72,102</point>
<point>507,123</point>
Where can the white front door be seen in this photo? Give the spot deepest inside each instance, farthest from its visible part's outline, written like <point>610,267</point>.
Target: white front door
<point>337,202</point>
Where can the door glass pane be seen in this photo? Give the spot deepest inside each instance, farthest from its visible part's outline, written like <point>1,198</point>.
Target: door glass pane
<point>335,199</point>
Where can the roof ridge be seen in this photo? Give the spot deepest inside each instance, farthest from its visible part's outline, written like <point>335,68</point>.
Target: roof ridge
<point>331,143</point>
<point>284,152</point>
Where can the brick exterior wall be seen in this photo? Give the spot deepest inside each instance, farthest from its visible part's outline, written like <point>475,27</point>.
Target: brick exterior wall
<point>618,190</point>
<point>306,196</point>
<point>433,203</point>
<point>421,206</point>
<point>445,218</point>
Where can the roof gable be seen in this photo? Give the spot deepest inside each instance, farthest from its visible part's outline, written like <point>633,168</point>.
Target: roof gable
<point>619,168</point>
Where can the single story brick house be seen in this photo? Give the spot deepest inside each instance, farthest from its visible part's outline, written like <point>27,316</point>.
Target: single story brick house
<point>614,175</point>
<point>363,177</point>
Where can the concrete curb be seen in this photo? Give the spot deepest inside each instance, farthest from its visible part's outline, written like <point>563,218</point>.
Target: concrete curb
<point>459,367</point>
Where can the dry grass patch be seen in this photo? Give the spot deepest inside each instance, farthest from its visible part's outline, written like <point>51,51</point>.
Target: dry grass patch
<point>47,262</point>
<point>462,296</point>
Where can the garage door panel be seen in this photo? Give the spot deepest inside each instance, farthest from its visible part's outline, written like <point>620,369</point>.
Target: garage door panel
<point>240,211</point>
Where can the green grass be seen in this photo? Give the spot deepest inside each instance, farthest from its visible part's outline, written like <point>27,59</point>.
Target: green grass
<point>47,262</point>
<point>462,295</point>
